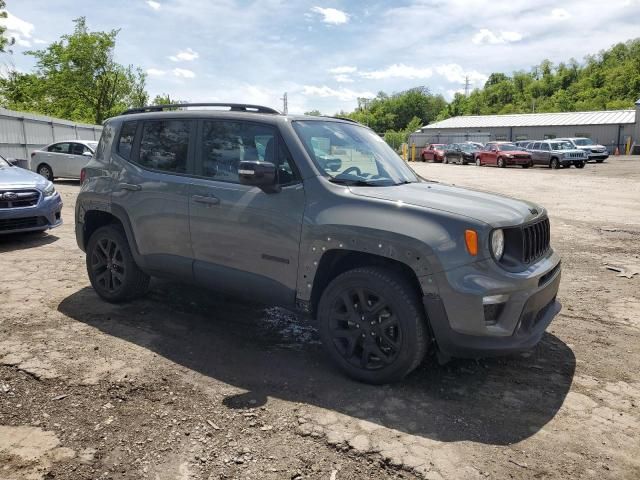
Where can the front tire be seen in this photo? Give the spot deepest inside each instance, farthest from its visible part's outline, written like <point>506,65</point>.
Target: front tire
<point>478,162</point>
<point>555,163</point>
<point>113,272</point>
<point>445,159</point>
<point>46,171</point>
<point>501,163</point>
<point>579,164</point>
<point>372,324</point>
<point>600,160</point>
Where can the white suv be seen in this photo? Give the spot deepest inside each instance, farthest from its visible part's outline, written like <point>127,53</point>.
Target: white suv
<point>596,152</point>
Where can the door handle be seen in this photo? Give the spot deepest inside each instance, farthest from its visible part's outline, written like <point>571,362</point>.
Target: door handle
<point>129,186</point>
<point>208,200</point>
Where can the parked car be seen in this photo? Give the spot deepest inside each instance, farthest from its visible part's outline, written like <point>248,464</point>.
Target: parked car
<point>390,265</point>
<point>463,153</point>
<point>62,159</point>
<point>503,154</point>
<point>28,202</point>
<point>556,154</point>
<point>434,152</point>
<point>596,152</point>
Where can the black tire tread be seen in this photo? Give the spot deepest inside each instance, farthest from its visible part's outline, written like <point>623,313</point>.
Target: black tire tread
<point>137,280</point>
<point>398,284</point>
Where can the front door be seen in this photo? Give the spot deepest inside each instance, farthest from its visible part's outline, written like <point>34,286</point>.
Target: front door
<point>56,158</point>
<point>245,240</point>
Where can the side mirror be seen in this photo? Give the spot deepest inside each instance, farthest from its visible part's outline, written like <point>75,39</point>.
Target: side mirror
<point>257,174</point>
<point>13,161</point>
<point>87,154</point>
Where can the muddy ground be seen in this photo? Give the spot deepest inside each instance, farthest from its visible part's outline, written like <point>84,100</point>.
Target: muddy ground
<point>185,384</point>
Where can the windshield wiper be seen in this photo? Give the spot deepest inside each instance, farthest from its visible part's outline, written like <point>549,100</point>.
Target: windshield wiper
<point>356,183</point>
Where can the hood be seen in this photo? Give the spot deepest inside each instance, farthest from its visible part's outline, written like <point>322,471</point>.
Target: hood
<point>14,177</point>
<point>493,209</point>
<point>515,152</point>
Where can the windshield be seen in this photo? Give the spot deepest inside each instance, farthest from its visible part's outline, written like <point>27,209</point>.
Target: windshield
<point>561,146</point>
<point>467,147</point>
<point>352,154</point>
<point>507,146</point>
<point>583,141</point>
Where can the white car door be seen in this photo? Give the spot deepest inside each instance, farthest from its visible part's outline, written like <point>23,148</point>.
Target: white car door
<point>76,160</point>
<point>56,157</point>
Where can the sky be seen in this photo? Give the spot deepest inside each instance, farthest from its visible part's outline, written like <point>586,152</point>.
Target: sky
<point>325,53</point>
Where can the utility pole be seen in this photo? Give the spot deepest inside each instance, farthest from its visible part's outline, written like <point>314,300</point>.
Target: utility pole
<point>467,85</point>
<point>285,104</point>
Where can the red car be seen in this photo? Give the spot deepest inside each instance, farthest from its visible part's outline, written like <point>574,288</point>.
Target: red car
<point>503,154</point>
<point>434,152</point>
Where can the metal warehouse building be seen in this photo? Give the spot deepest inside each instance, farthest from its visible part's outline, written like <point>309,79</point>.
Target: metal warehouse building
<point>611,128</point>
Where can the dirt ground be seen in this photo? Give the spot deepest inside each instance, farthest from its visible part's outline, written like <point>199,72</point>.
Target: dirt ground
<point>185,384</point>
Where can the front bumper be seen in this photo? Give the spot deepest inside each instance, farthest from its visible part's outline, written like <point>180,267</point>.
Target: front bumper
<point>567,162</point>
<point>518,161</point>
<point>457,315</point>
<point>43,216</point>
<point>599,156</point>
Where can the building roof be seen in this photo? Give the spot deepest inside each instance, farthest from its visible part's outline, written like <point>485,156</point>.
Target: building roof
<point>536,119</point>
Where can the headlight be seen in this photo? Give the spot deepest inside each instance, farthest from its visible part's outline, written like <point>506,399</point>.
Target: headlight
<point>49,189</point>
<point>509,156</point>
<point>497,243</point>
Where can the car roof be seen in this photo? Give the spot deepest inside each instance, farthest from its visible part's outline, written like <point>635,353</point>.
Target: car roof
<point>264,114</point>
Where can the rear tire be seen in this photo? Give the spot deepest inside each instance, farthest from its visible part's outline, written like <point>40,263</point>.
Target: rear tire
<point>373,325</point>
<point>478,162</point>
<point>46,171</point>
<point>113,272</point>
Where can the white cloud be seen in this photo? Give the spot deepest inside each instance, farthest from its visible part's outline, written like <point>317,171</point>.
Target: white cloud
<point>20,30</point>
<point>176,72</point>
<point>154,72</point>
<point>344,94</point>
<point>154,5</point>
<point>398,70</point>
<point>486,36</point>
<point>343,78</point>
<point>331,16</point>
<point>560,14</point>
<point>454,73</point>
<point>343,69</point>
<point>187,55</point>
<point>39,41</point>
<point>183,73</point>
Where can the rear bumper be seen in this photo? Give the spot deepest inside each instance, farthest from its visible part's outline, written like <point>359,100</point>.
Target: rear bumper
<point>47,214</point>
<point>457,316</point>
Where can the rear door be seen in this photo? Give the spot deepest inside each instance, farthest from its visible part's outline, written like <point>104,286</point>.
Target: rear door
<point>544,154</point>
<point>152,190</point>
<point>56,157</point>
<point>245,240</point>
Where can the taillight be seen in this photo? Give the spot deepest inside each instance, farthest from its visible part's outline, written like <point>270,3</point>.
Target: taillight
<point>83,176</point>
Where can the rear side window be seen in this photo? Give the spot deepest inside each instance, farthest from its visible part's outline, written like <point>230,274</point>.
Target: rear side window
<point>59,148</point>
<point>125,142</point>
<point>164,145</point>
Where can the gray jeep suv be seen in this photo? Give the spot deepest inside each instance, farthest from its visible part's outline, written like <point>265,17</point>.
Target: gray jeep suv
<point>320,215</point>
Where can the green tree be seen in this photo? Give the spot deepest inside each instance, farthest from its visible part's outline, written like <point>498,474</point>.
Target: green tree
<point>77,78</point>
<point>314,113</point>
<point>5,41</point>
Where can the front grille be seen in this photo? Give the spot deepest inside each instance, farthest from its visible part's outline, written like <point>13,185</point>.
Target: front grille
<point>18,198</point>
<point>535,240</point>
<point>521,156</point>
<point>9,224</point>
<point>576,155</point>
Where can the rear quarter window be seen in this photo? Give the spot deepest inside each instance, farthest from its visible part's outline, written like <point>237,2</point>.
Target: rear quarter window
<point>126,138</point>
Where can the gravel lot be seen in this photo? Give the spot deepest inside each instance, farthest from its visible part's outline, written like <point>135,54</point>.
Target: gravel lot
<point>185,384</point>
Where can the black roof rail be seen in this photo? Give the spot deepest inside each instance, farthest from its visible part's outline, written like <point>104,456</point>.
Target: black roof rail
<point>233,107</point>
<point>342,118</point>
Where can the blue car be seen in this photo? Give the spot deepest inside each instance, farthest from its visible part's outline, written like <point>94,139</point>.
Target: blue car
<point>28,201</point>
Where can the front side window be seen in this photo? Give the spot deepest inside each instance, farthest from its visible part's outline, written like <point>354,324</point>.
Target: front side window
<point>352,154</point>
<point>164,145</point>
<point>127,136</point>
<point>78,149</point>
<point>544,146</point>
<point>226,143</point>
